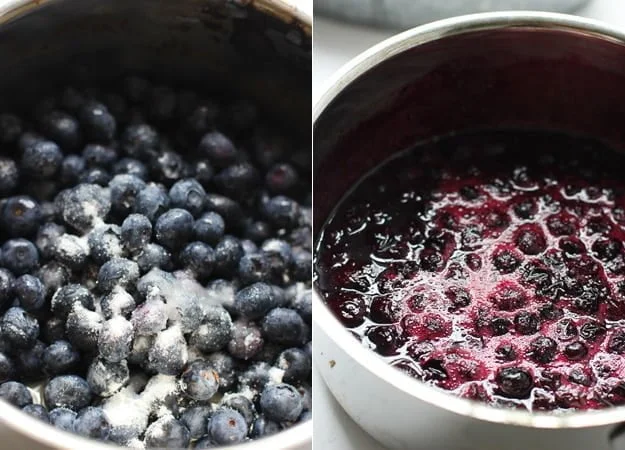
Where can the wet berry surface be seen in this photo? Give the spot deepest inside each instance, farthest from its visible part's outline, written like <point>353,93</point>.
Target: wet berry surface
<point>490,265</point>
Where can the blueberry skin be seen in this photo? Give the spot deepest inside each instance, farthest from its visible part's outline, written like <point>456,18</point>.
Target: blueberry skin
<point>21,216</point>
<point>117,272</point>
<point>96,176</point>
<point>220,150</point>
<point>225,366</point>
<point>131,166</point>
<point>296,364</point>
<point>227,426</point>
<point>10,128</point>
<point>106,378</point>
<point>230,211</point>
<point>281,403</point>
<point>9,175</point>
<point>67,391</point>
<point>282,212</point>
<point>242,404</point>
<point>53,275</point>
<point>42,159</point>
<point>19,328</point>
<point>253,268</point>
<point>59,358</point>
<point>140,141</point>
<point>168,355</point>
<point>167,432</point>
<point>61,128</point>
<point>53,330</point>
<point>83,327</point>
<point>153,255</point>
<point>97,122</point>
<point>301,267</point>
<point>150,317</point>
<point>215,331</point>
<point>64,299</point>
<point>96,155</point>
<point>71,250</point>
<point>246,339</point>
<point>209,228</point>
<point>168,167</point>
<point>263,427</point>
<point>284,326</point>
<point>199,258</point>
<point>196,420</point>
<point>257,232</point>
<point>30,362</point>
<point>199,381</point>
<point>188,194</point>
<point>62,418</point>
<point>19,256</point>
<point>124,190</point>
<point>152,202</point>
<point>72,167</point>
<point>281,178</point>
<point>302,303</point>
<point>38,412</point>
<point>83,206</point>
<point>238,181</point>
<point>15,393</point>
<point>92,422</point>
<point>228,253</point>
<point>105,242</point>
<point>203,172</point>
<point>115,339</point>
<point>280,256</point>
<point>7,283</point>
<point>174,228</point>
<point>205,442</point>
<point>256,376</point>
<point>256,300</point>
<point>136,231</point>
<point>7,368</point>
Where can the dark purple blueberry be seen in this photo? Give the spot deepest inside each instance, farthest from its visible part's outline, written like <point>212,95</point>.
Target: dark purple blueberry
<point>124,189</point>
<point>253,268</point>
<point>10,128</point>
<point>53,330</point>
<point>229,210</point>
<point>68,295</point>
<point>296,365</point>
<point>93,423</point>
<point>505,261</point>
<point>42,159</point>
<point>199,381</point>
<point>264,427</point>
<point>209,228</point>
<point>616,343</point>
<point>174,228</point>
<point>59,358</point>
<point>63,419</point>
<point>530,239</point>
<point>284,326</point>
<point>105,378</point>
<point>72,168</point>
<point>281,403</point>
<point>196,420</point>
<point>19,328</point>
<point>152,201</point>
<point>228,253</point>
<point>15,393</point>
<point>282,212</point>
<point>227,427</point>
<point>258,232</point>
<point>241,404</point>
<point>514,382</point>
<point>30,292</point>
<point>167,432</point>
<point>7,281</point>
<point>150,317</point>
<point>7,368</point>
<point>281,178</point>
<point>220,150</point>
<point>136,231</point>
<point>256,300</point>
<point>96,155</point>
<point>97,123</point>
<point>225,366</point>
<point>506,352</point>
<point>203,172</point>
<point>542,349</point>
<point>526,323</point>
<point>9,175</point>
<point>19,256</point>
<point>199,258</point>
<point>458,296</point>
<point>188,194</point>
<point>500,326</point>
<point>140,141</point>
<point>280,257</point>
<point>239,181</point>
<point>115,339</point>
<point>215,331</point>
<point>37,411</point>
<point>30,362</point>
<point>606,249</point>
<point>61,128</point>
<point>21,216</point>
<point>301,270</point>
<point>131,166</point>
<point>71,251</point>
<point>575,351</point>
<point>302,303</point>
<point>508,297</point>
<point>83,327</point>
<point>153,255</point>
<point>246,339</point>
<point>117,272</point>
<point>169,167</point>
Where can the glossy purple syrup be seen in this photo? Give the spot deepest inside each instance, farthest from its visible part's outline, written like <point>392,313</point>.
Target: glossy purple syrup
<point>489,264</point>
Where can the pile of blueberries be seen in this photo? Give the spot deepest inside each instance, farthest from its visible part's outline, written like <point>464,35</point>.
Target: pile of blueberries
<point>155,270</point>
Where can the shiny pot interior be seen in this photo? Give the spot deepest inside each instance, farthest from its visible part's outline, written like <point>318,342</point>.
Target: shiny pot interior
<point>258,49</point>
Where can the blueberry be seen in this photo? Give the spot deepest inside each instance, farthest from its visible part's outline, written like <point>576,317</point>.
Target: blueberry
<point>150,317</point>
<point>242,404</point>
<point>215,331</point>
<point>225,366</point>
<point>7,282</point>
<point>253,268</point>
<point>30,292</point>
<point>97,122</point>
<point>153,255</point>
<point>168,354</point>
<point>7,368</point>
<point>167,432</point>
<point>9,175</point>
<point>526,323</point>
<point>506,261</point>
<point>246,340</point>
<point>59,358</point>
<point>64,299</point>
<point>19,256</point>
<point>139,353</point>
<point>168,167</point>
<point>124,190</point>
<point>284,326</point>
<point>118,302</point>
<point>575,351</point>
<point>72,168</point>
<point>61,128</point>
<point>83,327</point>
<point>204,443</point>
<point>301,267</point>
<point>239,181</point>
<point>105,378</point>
<point>93,423</point>
<point>199,258</point>
<point>302,303</point>
<point>136,232</point>
<point>188,194</point>
<point>10,128</point>
<point>199,381</point>
<point>28,139</point>
<point>161,105</point>
<point>131,166</point>
<point>258,232</point>
<point>19,328</point>
<point>96,155</point>
<point>280,256</point>
<point>30,362</point>
<point>256,300</point>
<point>196,420</point>
<point>105,243</point>
<point>220,150</point>
<point>543,349</point>
<point>37,411</point>
<point>616,343</point>
<point>53,275</point>
<point>281,178</point>
<point>53,330</point>
<point>203,172</point>
<point>174,228</point>
<point>83,206</point>
<point>296,365</point>
<point>514,382</point>
<point>282,212</point>
<point>230,211</point>
<point>228,253</point>
<point>117,272</point>
<point>115,339</point>
<point>21,216</point>
<point>63,418</point>
<point>42,159</point>
<point>152,201</point>
<point>606,249</point>
<point>263,427</point>
<point>209,228</point>
<point>15,393</point>
<point>71,251</point>
<point>96,176</point>
<point>227,426</point>
<point>281,403</point>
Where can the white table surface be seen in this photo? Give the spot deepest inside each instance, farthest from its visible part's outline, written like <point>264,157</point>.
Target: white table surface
<point>335,43</point>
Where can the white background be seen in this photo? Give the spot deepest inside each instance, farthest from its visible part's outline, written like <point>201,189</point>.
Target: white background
<point>334,44</point>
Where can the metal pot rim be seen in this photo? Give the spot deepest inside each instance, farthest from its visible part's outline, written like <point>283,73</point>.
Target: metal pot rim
<point>331,326</point>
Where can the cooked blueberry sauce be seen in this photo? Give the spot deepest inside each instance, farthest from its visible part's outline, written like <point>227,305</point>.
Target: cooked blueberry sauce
<point>490,265</point>
<point>155,266</point>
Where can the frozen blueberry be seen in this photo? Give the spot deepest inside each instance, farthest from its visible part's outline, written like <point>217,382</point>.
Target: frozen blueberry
<point>253,268</point>
<point>118,302</point>
<point>47,237</point>
<point>215,331</point>
<point>543,349</point>
<point>9,175</point>
<point>72,168</point>
<point>301,267</point>
<point>96,155</point>
<point>227,426</point>
<point>188,194</point>
<point>59,358</point>
<point>152,201</point>
<point>302,303</point>
<point>246,340</point>
<point>199,258</point>
<point>256,300</point>
<point>97,122</point>
<point>242,404</point>
<point>225,366</point>
<point>203,172</point>
<point>256,376</point>
<point>228,252</point>
<point>83,206</point>
<point>153,255</point>
<point>64,299</point>
<point>281,178</point>
<point>15,393</point>
<point>284,326</point>
<point>229,210</point>
<point>526,323</point>
<point>19,328</point>
<point>174,228</point>
<point>97,176</point>
<point>168,354</point>
<point>167,432</point>
<point>37,411</point>
<point>280,256</point>
<point>199,381</point>
<point>53,275</point>
<point>150,317</point>
<point>238,181</point>
<point>62,128</point>
<point>42,159</point>
<point>196,420</point>
<point>514,382</point>
<point>93,423</point>
<point>263,427</point>
<point>169,167</point>
<point>71,250</point>
<point>30,292</point>
<point>62,418</point>
<point>10,128</point>
<point>105,378</point>
<point>131,166</point>
<point>204,443</point>
<point>7,281</point>
<point>83,327</point>
<point>7,368</point>
<point>282,212</point>
<point>296,365</point>
<point>115,339</point>
<point>105,243</point>
<point>124,190</point>
<point>21,216</point>
<point>29,362</point>
<point>575,351</point>
<point>209,228</point>
<point>616,343</point>
<point>218,149</point>
<point>117,272</point>
<point>19,256</point>
<point>28,139</point>
<point>281,403</point>
<point>53,330</point>
<point>136,232</point>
